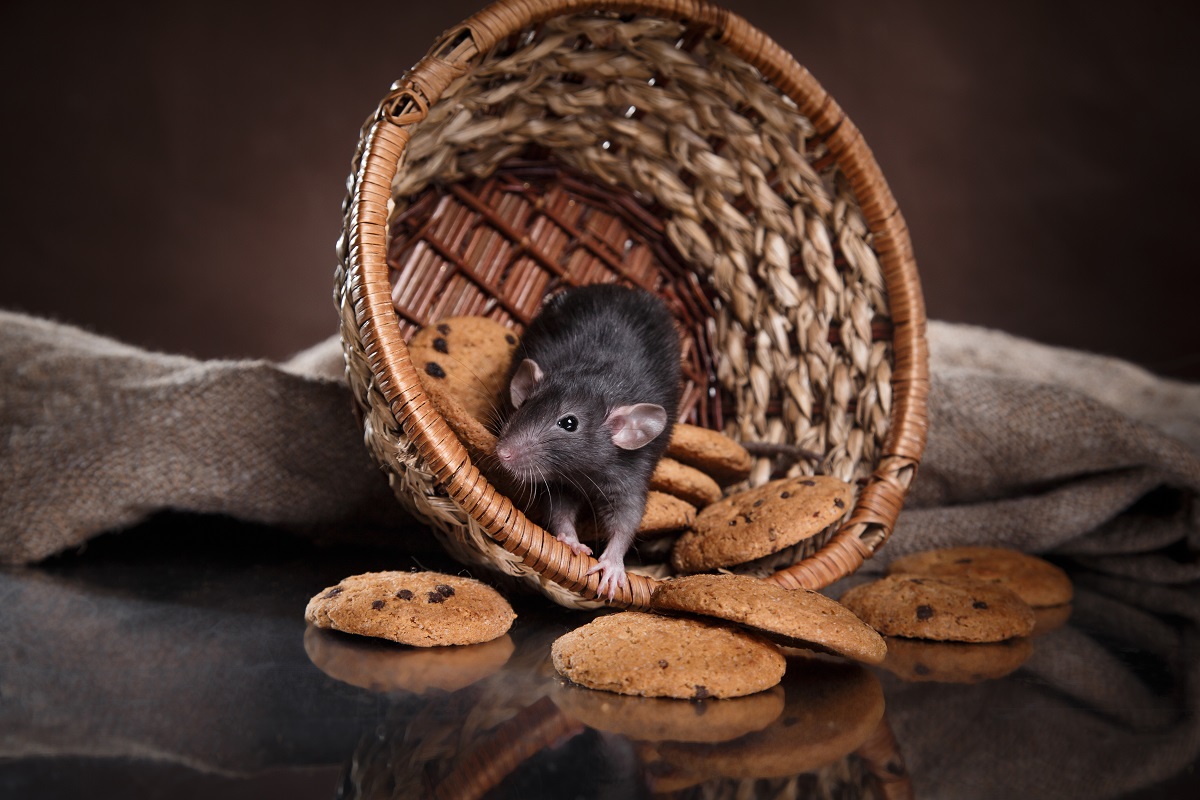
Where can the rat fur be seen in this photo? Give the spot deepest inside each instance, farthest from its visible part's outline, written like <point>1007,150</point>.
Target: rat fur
<point>594,391</point>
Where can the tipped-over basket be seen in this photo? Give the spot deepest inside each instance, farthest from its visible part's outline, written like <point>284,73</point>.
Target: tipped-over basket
<point>661,143</point>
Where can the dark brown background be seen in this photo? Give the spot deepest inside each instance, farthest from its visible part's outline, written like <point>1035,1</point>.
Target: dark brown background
<point>173,175</point>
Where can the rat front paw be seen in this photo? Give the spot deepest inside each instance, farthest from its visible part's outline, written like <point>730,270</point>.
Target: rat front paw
<point>612,577</point>
<point>577,547</point>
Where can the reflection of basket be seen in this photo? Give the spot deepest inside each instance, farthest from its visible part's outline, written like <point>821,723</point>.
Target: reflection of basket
<point>664,143</point>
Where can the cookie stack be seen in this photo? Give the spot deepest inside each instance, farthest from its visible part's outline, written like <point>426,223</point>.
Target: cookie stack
<point>710,636</point>
<point>962,614</point>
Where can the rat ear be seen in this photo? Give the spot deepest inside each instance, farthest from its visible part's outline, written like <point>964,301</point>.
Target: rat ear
<point>524,380</point>
<point>636,426</point>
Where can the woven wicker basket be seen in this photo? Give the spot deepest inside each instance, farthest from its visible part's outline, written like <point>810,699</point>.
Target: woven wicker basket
<point>662,143</point>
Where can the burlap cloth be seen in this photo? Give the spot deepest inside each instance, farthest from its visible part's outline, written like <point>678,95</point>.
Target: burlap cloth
<point>1039,448</point>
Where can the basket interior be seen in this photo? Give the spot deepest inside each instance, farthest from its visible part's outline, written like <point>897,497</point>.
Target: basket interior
<point>724,190</point>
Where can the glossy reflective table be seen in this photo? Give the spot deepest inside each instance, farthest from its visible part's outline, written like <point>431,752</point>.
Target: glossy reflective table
<point>173,660</point>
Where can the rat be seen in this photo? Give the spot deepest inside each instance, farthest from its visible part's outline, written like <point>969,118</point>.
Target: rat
<point>594,391</point>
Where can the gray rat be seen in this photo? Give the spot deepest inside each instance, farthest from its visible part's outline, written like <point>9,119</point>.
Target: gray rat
<point>594,390</point>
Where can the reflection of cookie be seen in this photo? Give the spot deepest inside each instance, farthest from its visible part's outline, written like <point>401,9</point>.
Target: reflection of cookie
<point>830,709</point>
<point>655,719</point>
<point>387,667</point>
<point>792,617</point>
<point>418,608</point>
<point>1050,618</point>
<point>758,522</point>
<point>711,452</point>
<point>663,778</point>
<point>955,662</point>
<point>947,609</point>
<point>467,358</point>
<point>1039,583</point>
<point>686,483</point>
<point>645,654</point>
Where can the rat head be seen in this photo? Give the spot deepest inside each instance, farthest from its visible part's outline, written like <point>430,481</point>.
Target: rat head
<point>557,431</point>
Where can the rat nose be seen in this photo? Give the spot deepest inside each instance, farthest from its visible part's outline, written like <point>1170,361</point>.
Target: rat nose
<point>504,453</point>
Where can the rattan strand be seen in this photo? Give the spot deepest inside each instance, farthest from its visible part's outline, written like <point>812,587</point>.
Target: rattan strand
<point>890,400</point>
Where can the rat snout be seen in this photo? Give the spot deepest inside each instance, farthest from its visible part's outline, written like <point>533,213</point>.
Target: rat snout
<point>511,455</point>
<point>517,455</point>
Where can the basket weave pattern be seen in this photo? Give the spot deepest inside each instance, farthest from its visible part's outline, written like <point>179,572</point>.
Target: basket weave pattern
<point>765,191</point>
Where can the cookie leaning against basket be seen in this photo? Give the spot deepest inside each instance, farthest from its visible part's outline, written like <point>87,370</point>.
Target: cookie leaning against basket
<point>670,146</point>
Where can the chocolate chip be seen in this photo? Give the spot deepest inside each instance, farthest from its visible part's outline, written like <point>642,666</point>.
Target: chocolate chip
<point>662,662</point>
<point>701,692</point>
<point>440,345</point>
<point>444,590</point>
<point>378,604</point>
<point>808,483</point>
<point>334,592</point>
<point>979,604</point>
<point>785,495</point>
<point>700,707</point>
<point>444,329</point>
<point>759,502</point>
<point>837,501</point>
<point>963,561</point>
<point>435,597</point>
<point>435,369</point>
<point>733,521</point>
<point>508,337</point>
<point>917,581</point>
<point>921,669</point>
<point>924,612</point>
<point>404,594</point>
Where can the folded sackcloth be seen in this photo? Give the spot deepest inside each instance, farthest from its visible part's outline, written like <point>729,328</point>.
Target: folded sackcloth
<point>1039,448</point>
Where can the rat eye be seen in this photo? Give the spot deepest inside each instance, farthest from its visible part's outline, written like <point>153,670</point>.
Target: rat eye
<point>568,423</point>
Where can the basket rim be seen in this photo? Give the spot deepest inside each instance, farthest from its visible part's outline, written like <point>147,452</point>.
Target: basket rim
<point>364,289</point>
